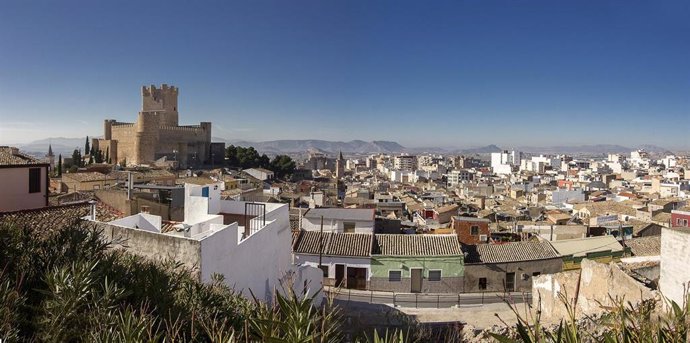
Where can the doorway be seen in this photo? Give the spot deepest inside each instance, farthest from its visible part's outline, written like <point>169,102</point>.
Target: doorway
<point>357,278</point>
<point>510,282</point>
<point>339,275</point>
<point>416,279</point>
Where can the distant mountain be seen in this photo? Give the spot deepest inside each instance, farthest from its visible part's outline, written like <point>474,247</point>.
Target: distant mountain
<point>481,150</point>
<point>593,149</point>
<point>61,145</point>
<point>298,146</point>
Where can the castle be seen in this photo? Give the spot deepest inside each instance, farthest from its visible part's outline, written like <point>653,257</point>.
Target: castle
<point>156,134</point>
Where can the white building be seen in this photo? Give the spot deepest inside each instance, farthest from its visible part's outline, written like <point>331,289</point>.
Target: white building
<point>405,162</point>
<point>345,220</point>
<point>458,176</point>
<point>260,173</point>
<point>674,276</point>
<point>248,243</point>
<point>502,162</point>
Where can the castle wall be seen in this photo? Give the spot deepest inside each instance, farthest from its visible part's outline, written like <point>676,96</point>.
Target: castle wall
<point>156,133</point>
<point>125,135</point>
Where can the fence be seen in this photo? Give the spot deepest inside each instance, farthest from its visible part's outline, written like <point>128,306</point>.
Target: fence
<point>425,300</point>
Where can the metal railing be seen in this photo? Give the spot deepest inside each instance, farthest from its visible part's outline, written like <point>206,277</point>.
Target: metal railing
<point>427,300</point>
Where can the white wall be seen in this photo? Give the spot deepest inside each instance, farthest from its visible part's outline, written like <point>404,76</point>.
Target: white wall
<point>675,254</point>
<point>257,262</point>
<point>332,225</point>
<point>331,261</point>
<point>196,207</point>
<point>142,221</point>
<point>14,190</point>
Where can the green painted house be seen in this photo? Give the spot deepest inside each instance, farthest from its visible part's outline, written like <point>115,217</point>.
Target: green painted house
<point>417,263</point>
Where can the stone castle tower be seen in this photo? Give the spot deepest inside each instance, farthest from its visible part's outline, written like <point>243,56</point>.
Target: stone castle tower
<point>156,134</point>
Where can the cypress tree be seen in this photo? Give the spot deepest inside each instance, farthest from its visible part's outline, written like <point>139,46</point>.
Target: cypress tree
<point>59,166</point>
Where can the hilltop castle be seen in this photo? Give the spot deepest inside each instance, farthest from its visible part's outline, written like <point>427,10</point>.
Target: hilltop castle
<point>156,133</point>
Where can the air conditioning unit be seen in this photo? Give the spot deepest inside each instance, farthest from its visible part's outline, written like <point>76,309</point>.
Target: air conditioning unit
<point>483,238</point>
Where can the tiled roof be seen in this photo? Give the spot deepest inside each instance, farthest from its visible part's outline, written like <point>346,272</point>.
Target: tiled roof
<point>471,219</point>
<point>581,246</point>
<point>12,157</point>
<point>645,246</point>
<point>334,244</point>
<point>417,245</point>
<point>509,252</point>
<point>58,216</point>
<point>87,176</point>
<point>340,214</point>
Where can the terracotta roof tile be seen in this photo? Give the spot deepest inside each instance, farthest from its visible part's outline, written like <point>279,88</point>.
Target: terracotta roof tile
<point>645,246</point>
<point>12,157</point>
<point>417,245</point>
<point>509,252</point>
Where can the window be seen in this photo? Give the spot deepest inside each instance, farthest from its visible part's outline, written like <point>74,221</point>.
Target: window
<point>536,274</point>
<point>324,269</point>
<point>482,283</point>
<point>349,227</point>
<point>434,275</point>
<point>394,275</point>
<point>474,230</point>
<point>34,180</point>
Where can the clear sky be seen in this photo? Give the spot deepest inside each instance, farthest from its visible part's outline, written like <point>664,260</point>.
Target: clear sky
<point>423,73</point>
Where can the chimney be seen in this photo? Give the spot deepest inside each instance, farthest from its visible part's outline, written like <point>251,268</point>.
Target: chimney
<point>92,212</point>
<point>130,183</point>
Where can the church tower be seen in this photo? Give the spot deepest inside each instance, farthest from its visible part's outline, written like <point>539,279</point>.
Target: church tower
<point>340,166</point>
<point>51,157</point>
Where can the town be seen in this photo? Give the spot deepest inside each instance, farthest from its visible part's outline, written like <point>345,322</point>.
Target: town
<point>454,233</point>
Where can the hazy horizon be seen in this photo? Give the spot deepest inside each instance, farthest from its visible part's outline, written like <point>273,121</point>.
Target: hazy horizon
<point>440,74</point>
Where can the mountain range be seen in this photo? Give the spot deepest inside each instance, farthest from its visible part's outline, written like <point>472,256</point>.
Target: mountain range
<point>65,146</point>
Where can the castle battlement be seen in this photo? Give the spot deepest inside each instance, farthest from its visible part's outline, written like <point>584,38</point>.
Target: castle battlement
<point>117,123</point>
<point>182,128</point>
<point>156,92</point>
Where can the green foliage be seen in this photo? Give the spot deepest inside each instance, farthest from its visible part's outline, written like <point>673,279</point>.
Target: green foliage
<point>647,322</point>
<point>294,319</point>
<point>87,146</point>
<point>77,158</point>
<point>97,156</point>
<point>282,166</point>
<point>68,285</point>
<point>240,157</point>
<point>59,166</point>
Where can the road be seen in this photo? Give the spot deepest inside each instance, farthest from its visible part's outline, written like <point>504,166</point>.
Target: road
<point>424,300</point>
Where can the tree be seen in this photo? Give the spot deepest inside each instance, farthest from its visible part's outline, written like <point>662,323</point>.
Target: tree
<point>231,156</point>
<point>264,161</point>
<point>282,165</point>
<point>76,158</point>
<point>107,155</point>
<point>59,166</point>
<point>87,146</point>
<point>98,156</point>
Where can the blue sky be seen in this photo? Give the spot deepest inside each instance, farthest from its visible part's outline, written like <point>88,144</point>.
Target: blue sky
<point>423,73</point>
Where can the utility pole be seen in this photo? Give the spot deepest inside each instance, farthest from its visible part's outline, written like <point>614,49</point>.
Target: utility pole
<point>321,243</point>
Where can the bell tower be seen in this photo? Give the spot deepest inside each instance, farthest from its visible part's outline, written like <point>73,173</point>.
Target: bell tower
<point>162,101</point>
